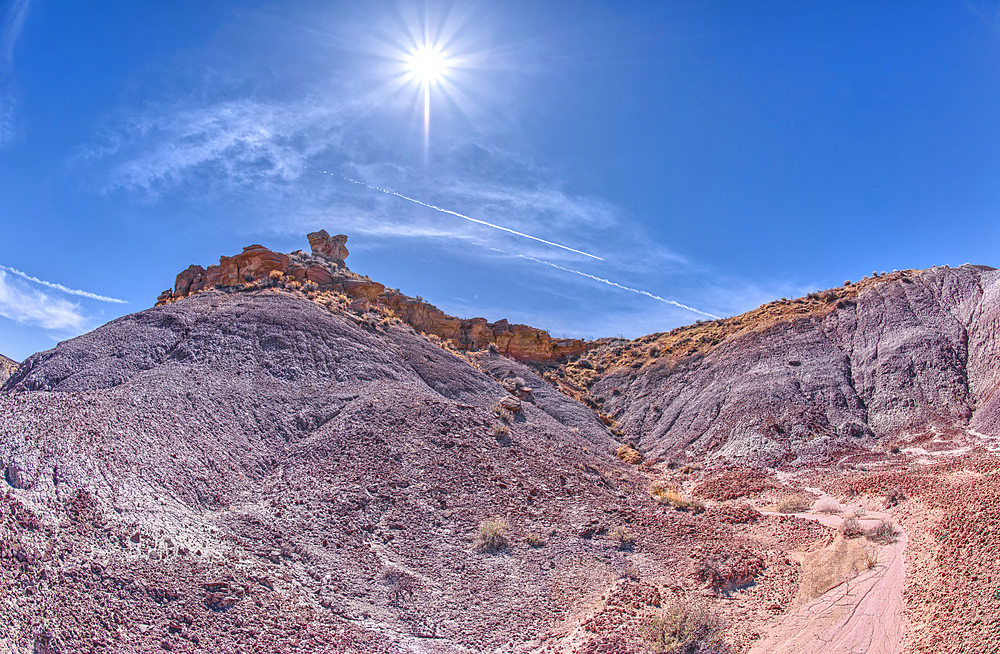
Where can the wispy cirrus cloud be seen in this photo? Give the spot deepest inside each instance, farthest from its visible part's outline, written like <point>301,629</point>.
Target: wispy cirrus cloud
<point>989,13</point>
<point>12,18</point>
<point>29,306</point>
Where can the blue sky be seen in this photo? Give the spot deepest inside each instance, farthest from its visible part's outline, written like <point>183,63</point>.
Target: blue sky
<point>716,155</point>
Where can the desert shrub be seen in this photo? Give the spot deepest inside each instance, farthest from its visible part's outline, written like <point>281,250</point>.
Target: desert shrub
<point>685,629</point>
<point>310,287</point>
<point>851,528</point>
<point>585,364</point>
<point>248,277</point>
<point>847,282</point>
<point>492,348</point>
<point>623,535</point>
<point>276,275</point>
<point>871,558</point>
<point>794,505</point>
<point>500,431</point>
<point>294,285</point>
<point>503,413</point>
<point>894,448</point>
<point>491,535</point>
<point>674,498</point>
<point>884,533</point>
<point>827,506</point>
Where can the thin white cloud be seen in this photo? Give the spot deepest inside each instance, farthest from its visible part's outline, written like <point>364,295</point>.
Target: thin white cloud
<point>13,25</point>
<point>60,287</point>
<point>30,306</point>
<point>990,15</point>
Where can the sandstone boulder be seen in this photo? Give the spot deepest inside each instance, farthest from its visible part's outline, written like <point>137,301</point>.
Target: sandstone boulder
<point>330,247</point>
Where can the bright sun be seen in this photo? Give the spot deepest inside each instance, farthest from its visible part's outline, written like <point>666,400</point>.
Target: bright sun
<point>428,65</point>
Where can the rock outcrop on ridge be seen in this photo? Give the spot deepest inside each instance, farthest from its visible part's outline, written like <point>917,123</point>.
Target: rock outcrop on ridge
<point>7,368</point>
<point>325,268</point>
<point>898,358</point>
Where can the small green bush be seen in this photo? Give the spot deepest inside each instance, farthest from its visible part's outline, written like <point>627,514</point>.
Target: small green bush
<point>491,535</point>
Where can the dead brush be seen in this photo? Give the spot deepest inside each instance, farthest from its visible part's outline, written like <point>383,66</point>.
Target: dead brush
<point>871,558</point>
<point>674,498</point>
<point>828,507</point>
<point>883,533</point>
<point>852,528</point>
<point>797,504</point>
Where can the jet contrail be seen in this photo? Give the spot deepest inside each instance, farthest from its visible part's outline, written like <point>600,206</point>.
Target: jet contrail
<point>60,287</point>
<point>464,217</point>
<point>625,288</point>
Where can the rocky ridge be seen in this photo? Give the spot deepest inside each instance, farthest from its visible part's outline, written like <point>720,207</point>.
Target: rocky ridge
<point>324,270</point>
<point>900,358</point>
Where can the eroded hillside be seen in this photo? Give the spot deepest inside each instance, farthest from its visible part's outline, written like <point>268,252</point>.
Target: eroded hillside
<point>285,455</point>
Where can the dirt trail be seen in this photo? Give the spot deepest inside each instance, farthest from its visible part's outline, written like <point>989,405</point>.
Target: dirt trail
<point>861,616</point>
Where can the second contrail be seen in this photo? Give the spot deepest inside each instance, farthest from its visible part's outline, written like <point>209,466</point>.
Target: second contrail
<point>64,289</point>
<point>469,218</point>
<point>617,285</point>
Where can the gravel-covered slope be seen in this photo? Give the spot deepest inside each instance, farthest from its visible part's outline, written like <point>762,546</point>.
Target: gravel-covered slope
<point>913,356</point>
<point>203,467</point>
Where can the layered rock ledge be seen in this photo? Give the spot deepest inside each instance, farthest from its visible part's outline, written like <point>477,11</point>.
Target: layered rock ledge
<point>323,269</point>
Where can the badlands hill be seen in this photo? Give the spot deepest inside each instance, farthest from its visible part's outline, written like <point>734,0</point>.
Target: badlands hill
<point>909,356</point>
<point>283,455</point>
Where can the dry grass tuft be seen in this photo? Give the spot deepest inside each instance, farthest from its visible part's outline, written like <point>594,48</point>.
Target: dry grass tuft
<point>674,498</point>
<point>797,504</point>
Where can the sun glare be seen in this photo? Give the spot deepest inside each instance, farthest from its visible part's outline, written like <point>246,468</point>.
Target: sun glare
<point>428,65</point>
